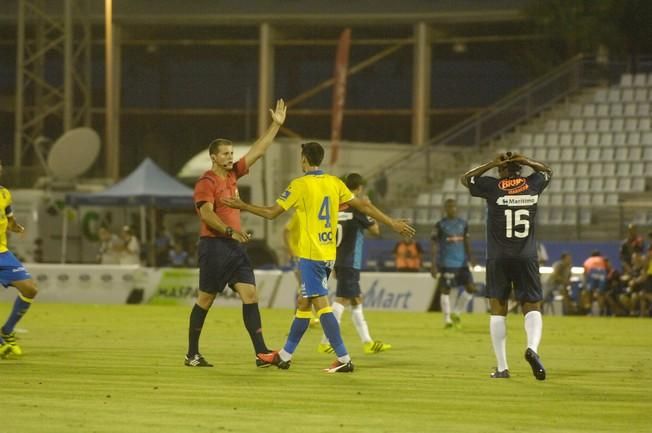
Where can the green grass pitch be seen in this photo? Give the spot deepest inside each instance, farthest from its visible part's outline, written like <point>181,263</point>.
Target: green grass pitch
<point>119,369</point>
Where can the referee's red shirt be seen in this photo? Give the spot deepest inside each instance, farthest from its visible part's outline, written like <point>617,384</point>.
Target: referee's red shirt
<point>211,188</point>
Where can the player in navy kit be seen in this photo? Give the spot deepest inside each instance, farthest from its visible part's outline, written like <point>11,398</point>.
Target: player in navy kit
<point>351,224</point>
<point>451,254</point>
<point>511,249</point>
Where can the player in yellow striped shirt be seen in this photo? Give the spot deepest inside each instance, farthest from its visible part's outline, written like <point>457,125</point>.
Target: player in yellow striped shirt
<point>316,197</point>
<point>12,273</point>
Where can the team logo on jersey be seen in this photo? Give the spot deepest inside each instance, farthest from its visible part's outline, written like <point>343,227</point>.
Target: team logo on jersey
<point>513,185</point>
<point>285,195</point>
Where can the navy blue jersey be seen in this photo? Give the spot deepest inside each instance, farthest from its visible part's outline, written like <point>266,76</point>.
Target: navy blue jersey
<point>511,213</point>
<point>450,233</point>
<point>350,225</point>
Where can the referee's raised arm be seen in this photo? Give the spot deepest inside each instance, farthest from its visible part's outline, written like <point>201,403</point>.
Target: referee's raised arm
<point>259,148</point>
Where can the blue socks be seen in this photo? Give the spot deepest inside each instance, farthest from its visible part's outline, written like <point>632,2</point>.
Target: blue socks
<point>297,329</point>
<point>21,305</point>
<point>332,330</point>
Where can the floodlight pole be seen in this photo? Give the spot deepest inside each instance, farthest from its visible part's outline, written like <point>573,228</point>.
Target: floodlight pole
<point>41,35</point>
<point>265,94</point>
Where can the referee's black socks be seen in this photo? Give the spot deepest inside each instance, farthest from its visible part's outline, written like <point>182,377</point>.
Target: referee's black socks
<point>197,317</point>
<point>251,317</point>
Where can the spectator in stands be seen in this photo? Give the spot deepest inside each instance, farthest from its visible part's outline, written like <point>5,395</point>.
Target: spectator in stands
<point>163,247</point>
<point>615,290</point>
<point>408,256</point>
<point>595,282</point>
<point>646,285</point>
<point>110,247</point>
<point>559,280</point>
<point>646,296</point>
<point>181,236</point>
<point>633,243</point>
<point>130,251</point>
<point>178,257</point>
<point>637,279</point>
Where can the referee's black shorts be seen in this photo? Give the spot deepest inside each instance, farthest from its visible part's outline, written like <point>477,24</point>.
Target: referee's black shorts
<point>521,274</point>
<point>223,261</point>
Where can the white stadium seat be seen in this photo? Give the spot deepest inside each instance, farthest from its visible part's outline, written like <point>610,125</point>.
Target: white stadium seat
<point>626,80</point>
<point>582,168</point>
<point>620,139</point>
<point>616,110</point>
<point>639,80</point>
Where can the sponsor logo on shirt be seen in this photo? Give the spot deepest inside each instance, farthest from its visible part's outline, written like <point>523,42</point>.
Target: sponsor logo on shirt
<point>513,185</point>
<point>521,200</point>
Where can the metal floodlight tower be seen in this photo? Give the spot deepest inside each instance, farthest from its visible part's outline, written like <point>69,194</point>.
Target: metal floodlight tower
<point>53,69</point>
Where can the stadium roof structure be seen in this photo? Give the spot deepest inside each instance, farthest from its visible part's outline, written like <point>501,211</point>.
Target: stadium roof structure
<point>147,185</point>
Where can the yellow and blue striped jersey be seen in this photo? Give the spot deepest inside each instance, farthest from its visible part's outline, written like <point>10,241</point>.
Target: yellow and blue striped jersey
<point>316,198</point>
<point>5,212</point>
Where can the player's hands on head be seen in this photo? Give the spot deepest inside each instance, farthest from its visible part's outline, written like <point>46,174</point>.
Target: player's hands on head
<point>517,157</point>
<point>278,115</point>
<point>501,158</point>
<point>233,202</point>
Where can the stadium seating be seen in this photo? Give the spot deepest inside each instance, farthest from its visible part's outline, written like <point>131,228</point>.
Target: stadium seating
<point>598,144</point>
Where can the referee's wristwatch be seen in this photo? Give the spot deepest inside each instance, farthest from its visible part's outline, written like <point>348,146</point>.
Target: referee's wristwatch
<point>228,232</point>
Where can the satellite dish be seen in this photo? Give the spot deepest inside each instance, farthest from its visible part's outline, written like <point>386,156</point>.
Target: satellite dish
<point>73,153</point>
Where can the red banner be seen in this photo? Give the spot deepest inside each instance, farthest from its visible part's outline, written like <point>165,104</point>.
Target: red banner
<point>339,92</point>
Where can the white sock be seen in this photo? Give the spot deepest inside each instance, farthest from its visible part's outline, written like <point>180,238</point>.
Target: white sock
<point>533,329</point>
<point>446,307</point>
<point>344,359</point>
<point>462,301</point>
<point>360,324</point>
<point>338,310</point>
<point>498,330</point>
<point>285,356</point>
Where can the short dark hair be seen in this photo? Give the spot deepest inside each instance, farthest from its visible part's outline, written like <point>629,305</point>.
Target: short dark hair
<point>313,152</point>
<point>212,148</point>
<point>450,200</point>
<point>353,181</point>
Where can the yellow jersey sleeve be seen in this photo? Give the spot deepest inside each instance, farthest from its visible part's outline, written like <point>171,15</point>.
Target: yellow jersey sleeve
<point>345,193</point>
<point>291,195</point>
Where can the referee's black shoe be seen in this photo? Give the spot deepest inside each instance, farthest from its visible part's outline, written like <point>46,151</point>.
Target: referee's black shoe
<point>535,362</point>
<point>196,360</point>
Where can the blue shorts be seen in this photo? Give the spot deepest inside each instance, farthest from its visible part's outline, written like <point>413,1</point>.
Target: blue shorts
<point>454,277</point>
<point>11,269</point>
<point>348,282</point>
<point>223,261</point>
<point>596,280</point>
<point>314,277</point>
<point>519,274</point>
